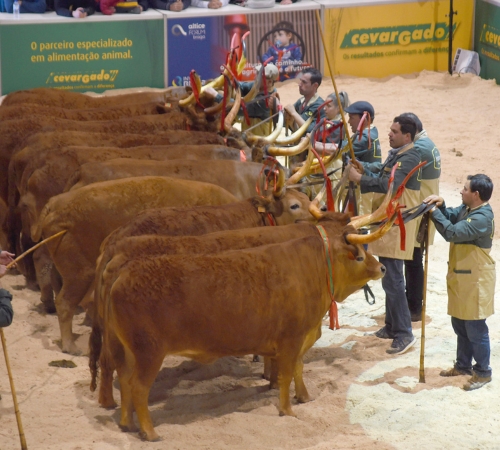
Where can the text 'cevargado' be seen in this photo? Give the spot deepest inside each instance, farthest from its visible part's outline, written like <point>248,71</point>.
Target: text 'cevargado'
<point>103,75</point>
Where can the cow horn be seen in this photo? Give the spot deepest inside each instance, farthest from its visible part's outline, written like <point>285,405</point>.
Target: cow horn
<point>314,205</point>
<point>254,139</point>
<point>279,190</point>
<point>228,121</point>
<point>305,169</point>
<point>290,151</point>
<point>360,239</point>
<point>379,214</point>
<point>216,84</point>
<point>295,136</point>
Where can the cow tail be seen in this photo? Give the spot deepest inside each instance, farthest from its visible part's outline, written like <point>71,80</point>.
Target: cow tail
<point>36,229</point>
<point>95,347</point>
<point>72,180</point>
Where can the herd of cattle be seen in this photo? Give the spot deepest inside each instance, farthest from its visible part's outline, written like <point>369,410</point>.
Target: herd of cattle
<point>167,243</point>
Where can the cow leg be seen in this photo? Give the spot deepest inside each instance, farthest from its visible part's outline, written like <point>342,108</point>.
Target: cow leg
<point>301,393</point>
<point>43,269</point>
<point>272,371</point>
<point>125,369</point>
<point>300,388</point>
<point>286,366</point>
<point>146,370</point>
<point>112,355</point>
<point>66,302</point>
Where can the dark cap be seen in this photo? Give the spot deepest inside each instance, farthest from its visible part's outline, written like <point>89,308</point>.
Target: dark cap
<point>360,108</point>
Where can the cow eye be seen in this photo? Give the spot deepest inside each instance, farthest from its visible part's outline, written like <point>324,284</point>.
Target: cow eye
<point>295,206</point>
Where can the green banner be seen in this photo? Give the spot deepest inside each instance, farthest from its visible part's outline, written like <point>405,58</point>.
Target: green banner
<point>83,56</point>
<point>487,39</point>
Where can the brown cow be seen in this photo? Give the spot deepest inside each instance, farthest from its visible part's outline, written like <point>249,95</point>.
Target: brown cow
<point>65,99</point>
<point>72,165</point>
<point>91,213</point>
<point>103,113</point>
<point>267,300</point>
<point>239,178</point>
<point>15,132</point>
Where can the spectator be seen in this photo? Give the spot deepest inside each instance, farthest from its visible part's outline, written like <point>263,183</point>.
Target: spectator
<point>170,5</point>
<point>79,9</point>
<point>26,6</point>
<point>211,4</point>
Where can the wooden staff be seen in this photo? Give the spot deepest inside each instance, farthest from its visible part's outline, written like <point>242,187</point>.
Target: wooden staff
<point>4,345</point>
<point>13,390</point>
<point>421,372</point>
<point>32,249</point>
<point>349,141</point>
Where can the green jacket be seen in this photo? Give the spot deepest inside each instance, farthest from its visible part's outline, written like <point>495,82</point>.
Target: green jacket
<point>310,109</point>
<point>376,179</point>
<point>430,173</point>
<point>362,151</point>
<point>471,270</point>
<point>6,312</point>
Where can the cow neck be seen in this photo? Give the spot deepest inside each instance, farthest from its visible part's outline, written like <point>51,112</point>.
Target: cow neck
<point>334,314</point>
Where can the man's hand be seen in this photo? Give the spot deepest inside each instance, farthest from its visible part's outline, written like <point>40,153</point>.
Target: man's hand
<point>79,13</point>
<point>6,257</point>
<point>214,4</point>
<point>354,175</point>
<point>176,6</point>
<point>434,199</point>
<point>358,166</point>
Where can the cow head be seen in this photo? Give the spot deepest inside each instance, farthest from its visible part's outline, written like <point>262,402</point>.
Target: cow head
<point>353,266</point>
<point>291,207</point>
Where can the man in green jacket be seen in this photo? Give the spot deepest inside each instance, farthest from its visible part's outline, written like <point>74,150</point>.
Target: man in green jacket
<point>471,276</point>
<point>374,177</point>
<point>429,185</point>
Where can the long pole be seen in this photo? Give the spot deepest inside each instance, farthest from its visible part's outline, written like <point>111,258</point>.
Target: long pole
<point>349,141</point>
<point>450,38</point>
<point>421,372</point>
<point>13,390</point>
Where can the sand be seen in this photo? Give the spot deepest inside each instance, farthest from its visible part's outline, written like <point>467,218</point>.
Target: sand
<point>362,397</point>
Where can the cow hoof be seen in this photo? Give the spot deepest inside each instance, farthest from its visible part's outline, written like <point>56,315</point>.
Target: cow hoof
<point>128,428</point>
<point>109,406</point>
<point>274,385</point>
<point>289,413</point>
<point>256,358</point>
<point>49,306</point>
<point>303,399</point>
<point>72,350</point>
<point>153,437</point>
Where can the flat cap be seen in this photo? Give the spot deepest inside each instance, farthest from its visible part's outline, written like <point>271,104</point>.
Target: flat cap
<point>360,108</point>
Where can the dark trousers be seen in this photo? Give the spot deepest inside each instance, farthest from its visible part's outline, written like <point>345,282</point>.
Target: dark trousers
<point>473,341</point>
<point>414,274</point>
<point>397,314</point>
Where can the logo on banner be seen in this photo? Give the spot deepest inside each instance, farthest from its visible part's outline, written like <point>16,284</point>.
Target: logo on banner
<point>103,78</point>
<point>400,35</point>
<point>490,36</point>
<point>195,31</point>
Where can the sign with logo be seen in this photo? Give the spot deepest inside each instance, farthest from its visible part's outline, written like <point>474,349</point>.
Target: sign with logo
<point>289,39</point>
<point>382,40</point>
<point>81,57</point>
<point>487,39</point>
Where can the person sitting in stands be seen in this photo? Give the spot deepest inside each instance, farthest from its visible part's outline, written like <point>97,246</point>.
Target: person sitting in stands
<point>78,9</point>
<point>212,4</point>
<point>170,5</point>
<point>109,7</point>
<point>27,6</point>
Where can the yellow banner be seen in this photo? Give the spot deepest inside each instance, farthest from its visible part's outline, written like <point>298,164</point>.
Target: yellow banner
<point>377,41</point>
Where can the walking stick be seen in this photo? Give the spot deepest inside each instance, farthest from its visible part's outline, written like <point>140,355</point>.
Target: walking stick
<point>13,390</point>
<point>421,372</point>
<point>4,346</point>
<point>349,141</point>
<point>32,249</point>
